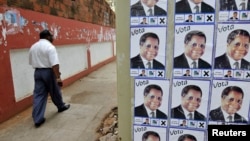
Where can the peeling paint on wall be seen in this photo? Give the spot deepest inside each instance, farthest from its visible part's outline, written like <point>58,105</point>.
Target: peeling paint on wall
<point>20,28</point>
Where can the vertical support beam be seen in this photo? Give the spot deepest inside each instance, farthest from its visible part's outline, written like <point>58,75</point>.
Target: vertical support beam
<point>124,91</point>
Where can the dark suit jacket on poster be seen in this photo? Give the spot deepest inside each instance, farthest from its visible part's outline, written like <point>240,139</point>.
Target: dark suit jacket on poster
<point>141,111</point>
<point>178,112</point>
<point>183,7</point>
<point>181,62</point>
<point>137,10</point>
<point>189,21</point>
<point>222,62</point>
<point>230,5</point>
<point>217,115</point>
<point>232,18</point>
<point>136,62</point>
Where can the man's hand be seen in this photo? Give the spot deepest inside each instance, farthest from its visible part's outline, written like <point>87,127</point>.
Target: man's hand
<point>59,82</point>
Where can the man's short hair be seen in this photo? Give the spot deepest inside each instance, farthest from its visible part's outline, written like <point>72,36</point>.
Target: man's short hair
<point>190,34</point>
<point>152,133</point>
<point>231,36</point>
<point>228,89</point>
<point>44,34</point>
<point>190,87</point>
<point>152,86</point>
<point>187,136</point>
<point>146,35</point>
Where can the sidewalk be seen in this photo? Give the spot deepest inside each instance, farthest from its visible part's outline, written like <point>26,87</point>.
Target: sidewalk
<point>91,98</point>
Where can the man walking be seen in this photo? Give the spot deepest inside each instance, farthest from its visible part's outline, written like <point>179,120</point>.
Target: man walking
<point>44,59</point>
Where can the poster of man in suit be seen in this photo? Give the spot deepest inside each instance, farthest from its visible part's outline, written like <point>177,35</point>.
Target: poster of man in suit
<point>231,50</point>
<point>195,6</point>
<point>154,12</point>
<point>228,8</point>
<point>229,102</point>
<point>193,49</point>
<point>176,134</point>
<point>148,51</point>
<point>145,133</point>
<point>151,99</point>
<point>232,5</point>
<point>189,101</point>
<point>148,8</point>
<point>201,10</point>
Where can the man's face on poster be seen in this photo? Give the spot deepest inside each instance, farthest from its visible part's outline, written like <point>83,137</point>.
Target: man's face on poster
<point>149,3</point>
<point>238,48</point>
<point>153,99</point>
<point>195,48</point>
<point>235,14</point>
<point>149,49</point>
<point>196,1</point>
<point>191,101</point>
<point>190,17</point>
<point>184,122</point>
<point>152,138</point>
<point>232,103</point>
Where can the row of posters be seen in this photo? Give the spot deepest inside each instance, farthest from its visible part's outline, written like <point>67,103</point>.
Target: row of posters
<point>173,101</point>
<point>193,42</point>
<point>210,67</point>
<point>188,106</point>
<point>154,12</point>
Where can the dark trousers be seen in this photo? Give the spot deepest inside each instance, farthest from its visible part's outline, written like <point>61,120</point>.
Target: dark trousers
<point>45,83</point>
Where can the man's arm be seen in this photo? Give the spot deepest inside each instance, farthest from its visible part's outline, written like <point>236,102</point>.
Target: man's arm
<point>56,70</point>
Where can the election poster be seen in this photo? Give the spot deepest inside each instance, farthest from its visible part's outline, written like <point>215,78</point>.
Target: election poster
<point>151,102</point>
<point>229,102</point>
<point>231,60</point>
<point>234,10</point>
<point>148,52</point>
<point>193,50</point>
<point>148,13</point>
<point>144,133</point>
<point>189,103</point>
<point>192,12</point>
<point>186,135</point>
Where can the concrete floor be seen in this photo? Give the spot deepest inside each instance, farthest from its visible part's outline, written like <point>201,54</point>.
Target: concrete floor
<point>91,98</point>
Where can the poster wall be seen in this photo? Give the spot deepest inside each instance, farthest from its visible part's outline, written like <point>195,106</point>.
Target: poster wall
<point>206,86</point>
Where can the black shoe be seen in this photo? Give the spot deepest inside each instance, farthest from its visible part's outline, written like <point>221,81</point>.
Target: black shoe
<point>65,107</point>
<point>40,123</point>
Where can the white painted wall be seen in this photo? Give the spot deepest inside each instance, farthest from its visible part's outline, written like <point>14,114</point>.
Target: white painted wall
<point>100,52</point>
<point>73,60</point>
<point>22,73</point>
